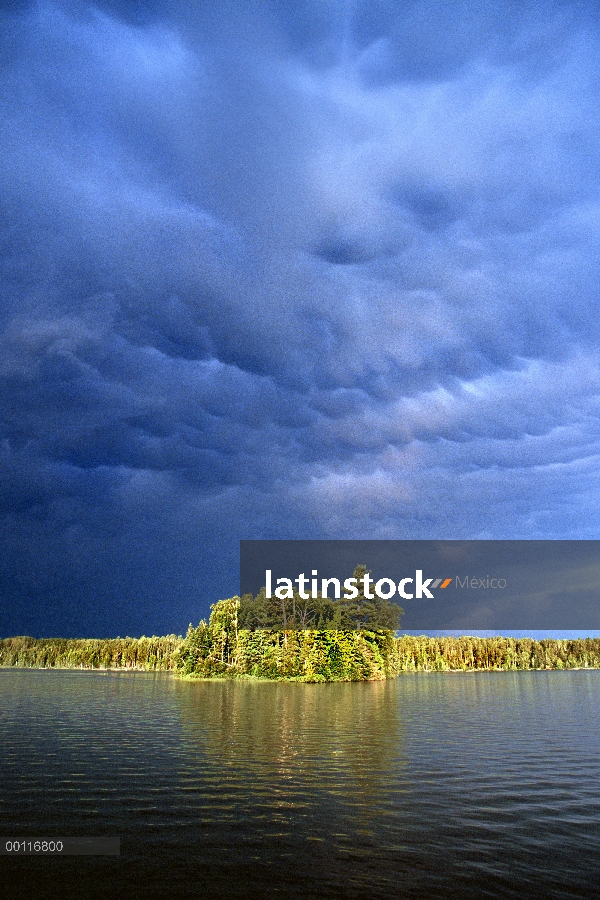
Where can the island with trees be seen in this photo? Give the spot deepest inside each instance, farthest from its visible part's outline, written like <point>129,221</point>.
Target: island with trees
<point>301,639</point>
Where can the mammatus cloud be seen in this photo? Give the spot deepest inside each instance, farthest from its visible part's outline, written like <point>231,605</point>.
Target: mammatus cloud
<point>310,272</point>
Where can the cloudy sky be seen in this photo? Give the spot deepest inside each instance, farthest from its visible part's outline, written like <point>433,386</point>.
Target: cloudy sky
<point>276,269</point>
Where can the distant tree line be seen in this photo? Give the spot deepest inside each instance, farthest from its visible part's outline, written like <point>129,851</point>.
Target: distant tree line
<point>226,647</point>
<point>423,654</point>
<point>147,653</point>
<point>320,612</point>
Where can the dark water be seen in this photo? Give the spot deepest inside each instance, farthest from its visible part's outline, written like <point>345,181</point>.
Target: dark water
<point>427,786</point>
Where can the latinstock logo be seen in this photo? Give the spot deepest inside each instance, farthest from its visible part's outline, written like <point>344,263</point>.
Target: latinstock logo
<point>384,588</point>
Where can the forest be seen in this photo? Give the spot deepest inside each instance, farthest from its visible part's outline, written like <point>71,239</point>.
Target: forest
<point>238,641</point>
<point>222,648</point>
<point>146,653</point>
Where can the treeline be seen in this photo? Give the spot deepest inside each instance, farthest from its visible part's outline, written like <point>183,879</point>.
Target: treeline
<point>422,654</point>
<point>222,648</point>
<point>291,611</point>
<point>147,653</point>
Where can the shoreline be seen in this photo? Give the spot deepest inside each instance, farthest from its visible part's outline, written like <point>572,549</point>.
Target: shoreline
<point>220,649</point>
<point>297,679</point>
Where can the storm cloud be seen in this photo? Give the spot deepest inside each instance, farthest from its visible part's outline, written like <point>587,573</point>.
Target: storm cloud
<point>288,270</point>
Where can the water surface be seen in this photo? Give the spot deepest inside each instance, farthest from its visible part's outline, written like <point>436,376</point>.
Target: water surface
<point>455,786</point>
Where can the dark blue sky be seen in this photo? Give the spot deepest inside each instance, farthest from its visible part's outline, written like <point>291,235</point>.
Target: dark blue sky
<point>288,270</point>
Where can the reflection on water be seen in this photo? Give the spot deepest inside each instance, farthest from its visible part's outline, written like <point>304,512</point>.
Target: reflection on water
<point>447,786</point>
<point>302,762</point>
<point>304,734</point>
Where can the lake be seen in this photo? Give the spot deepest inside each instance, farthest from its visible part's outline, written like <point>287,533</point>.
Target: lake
<point>454,786</point>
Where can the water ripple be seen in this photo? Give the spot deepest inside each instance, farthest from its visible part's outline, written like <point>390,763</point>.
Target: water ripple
<point>452,786</point>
